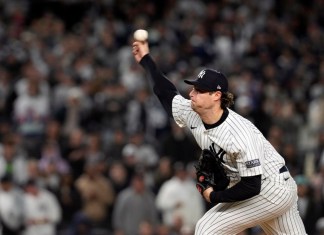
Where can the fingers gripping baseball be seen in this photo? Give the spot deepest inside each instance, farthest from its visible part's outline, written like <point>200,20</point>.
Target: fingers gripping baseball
<point>140,45</point>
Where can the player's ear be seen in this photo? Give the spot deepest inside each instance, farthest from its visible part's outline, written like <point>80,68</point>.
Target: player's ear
<point>217,95</point>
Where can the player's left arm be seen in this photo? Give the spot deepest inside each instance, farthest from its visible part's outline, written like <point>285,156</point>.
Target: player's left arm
<point>250,168</point>
<point>248,187</point>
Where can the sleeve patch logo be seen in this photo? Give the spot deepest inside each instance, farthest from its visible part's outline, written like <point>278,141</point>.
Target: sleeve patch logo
<point>252,163</point>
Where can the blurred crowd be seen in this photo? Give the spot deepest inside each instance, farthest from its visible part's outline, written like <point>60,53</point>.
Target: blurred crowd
<point>86,148</point>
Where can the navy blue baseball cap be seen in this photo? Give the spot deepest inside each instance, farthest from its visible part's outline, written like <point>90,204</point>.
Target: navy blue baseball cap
<point>210,80</point>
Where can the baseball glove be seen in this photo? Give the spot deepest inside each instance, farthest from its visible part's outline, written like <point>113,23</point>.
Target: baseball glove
<point>210,172</point>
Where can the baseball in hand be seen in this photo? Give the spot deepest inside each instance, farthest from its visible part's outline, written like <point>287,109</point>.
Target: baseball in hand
<point>140,35</point>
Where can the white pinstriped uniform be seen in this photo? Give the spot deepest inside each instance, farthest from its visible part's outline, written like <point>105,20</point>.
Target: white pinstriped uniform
<point>245,152</point>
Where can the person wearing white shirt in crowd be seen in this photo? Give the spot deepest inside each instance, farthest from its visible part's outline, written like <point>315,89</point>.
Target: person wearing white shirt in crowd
<point>186,207</point>
<point>10,207</point>
<point>42,211</point>
<point>31,112</point>
<point>13,161</point>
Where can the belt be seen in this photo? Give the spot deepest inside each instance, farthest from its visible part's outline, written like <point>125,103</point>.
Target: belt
<point>283,169</point>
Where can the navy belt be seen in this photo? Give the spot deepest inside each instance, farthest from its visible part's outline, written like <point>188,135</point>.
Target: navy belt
<point>283,169</point>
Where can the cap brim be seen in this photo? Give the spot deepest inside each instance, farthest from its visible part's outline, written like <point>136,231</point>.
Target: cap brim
<point>198,85</point>
<point>191,82</point>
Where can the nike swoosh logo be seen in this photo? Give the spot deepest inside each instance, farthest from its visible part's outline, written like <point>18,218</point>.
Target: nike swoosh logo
<point>193,127</point>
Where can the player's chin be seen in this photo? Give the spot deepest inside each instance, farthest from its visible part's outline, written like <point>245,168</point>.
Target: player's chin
<point>193,106</point>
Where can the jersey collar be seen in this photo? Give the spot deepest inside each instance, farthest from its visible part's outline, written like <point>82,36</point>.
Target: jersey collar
<point>220,121</point>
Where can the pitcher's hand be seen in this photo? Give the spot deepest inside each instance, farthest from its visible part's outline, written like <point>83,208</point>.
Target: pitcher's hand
<point>140,49</point>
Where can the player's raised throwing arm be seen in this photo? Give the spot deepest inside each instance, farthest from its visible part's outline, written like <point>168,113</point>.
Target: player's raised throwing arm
<point>162,86</point>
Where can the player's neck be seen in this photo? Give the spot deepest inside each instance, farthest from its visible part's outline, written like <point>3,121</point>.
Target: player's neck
<point>212,116</point>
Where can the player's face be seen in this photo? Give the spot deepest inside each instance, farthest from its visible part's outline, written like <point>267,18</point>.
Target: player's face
<point>201,100</point>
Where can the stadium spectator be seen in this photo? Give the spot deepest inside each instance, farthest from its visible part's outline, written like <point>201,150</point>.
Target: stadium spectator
<point>13,161</point>
<point>97,195</point>
<point>134,205</point>
<point>41,210</point>
<point>180,210</point>
<point>10,207</point>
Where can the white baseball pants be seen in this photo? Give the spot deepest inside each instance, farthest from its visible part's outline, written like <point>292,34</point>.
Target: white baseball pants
<point>274,209</point>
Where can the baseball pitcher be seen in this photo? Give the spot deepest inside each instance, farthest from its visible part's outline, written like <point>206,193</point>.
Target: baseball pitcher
<point>238,171</point>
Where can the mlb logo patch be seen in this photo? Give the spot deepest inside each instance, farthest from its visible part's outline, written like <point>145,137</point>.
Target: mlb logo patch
<point>252,163</point>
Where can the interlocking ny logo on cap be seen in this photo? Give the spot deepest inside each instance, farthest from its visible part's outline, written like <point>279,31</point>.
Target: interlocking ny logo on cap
<point>201,74</point>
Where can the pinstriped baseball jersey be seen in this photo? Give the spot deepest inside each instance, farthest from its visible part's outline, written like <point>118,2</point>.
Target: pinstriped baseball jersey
<point>241,146</point>
<point>244,152</point>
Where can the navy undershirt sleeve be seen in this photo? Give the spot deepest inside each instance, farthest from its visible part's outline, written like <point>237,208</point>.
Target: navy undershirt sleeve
<point>248,187</point>
<point>164,89</point>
